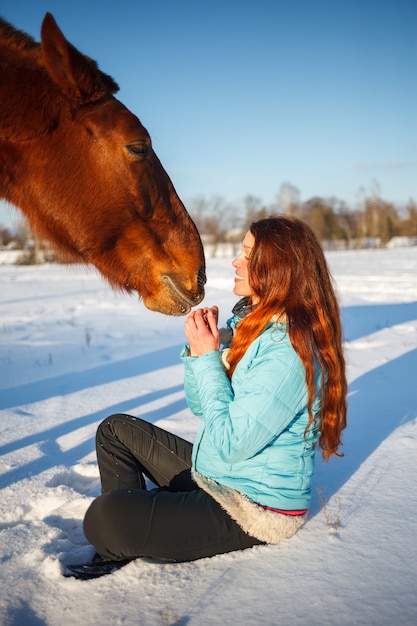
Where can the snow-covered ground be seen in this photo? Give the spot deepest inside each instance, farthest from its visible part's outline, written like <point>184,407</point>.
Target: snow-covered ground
<point>73,352</point>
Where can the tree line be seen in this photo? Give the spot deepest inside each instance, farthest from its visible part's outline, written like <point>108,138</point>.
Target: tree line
<point>372,224</point>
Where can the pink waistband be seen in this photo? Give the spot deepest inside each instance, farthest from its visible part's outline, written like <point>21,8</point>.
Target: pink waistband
<point>268,508</point>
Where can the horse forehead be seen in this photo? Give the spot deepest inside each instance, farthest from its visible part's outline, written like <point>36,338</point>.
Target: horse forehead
<point>114,116</point>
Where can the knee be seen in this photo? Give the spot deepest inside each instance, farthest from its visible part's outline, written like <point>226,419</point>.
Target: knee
<point>109,420</point>
<point>116,418</point>
<point>105,428</point>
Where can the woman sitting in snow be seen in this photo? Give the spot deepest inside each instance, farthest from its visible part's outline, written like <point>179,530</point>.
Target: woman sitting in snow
<point>275,390</point>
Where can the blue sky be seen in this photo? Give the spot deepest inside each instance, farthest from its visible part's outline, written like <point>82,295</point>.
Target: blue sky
<point>242,96</point>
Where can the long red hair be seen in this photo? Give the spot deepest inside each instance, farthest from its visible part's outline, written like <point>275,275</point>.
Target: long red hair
<point>289,274</point>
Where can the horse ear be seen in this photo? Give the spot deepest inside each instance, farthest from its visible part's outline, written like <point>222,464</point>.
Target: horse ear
<point>76,75</point>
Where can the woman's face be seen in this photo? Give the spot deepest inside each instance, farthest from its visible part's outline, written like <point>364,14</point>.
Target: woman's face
<point>240,263</point>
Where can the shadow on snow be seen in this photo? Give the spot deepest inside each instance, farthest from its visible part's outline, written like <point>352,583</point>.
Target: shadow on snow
<point>361,321</point>
<point>100,375</point>
<point>53,455</point>
<point>379,401</point>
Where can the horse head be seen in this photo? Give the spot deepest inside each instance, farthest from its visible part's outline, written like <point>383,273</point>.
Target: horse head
<point>82,168</point>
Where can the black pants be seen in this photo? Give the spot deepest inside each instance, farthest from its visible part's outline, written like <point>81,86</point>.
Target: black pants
<point>177,520</point>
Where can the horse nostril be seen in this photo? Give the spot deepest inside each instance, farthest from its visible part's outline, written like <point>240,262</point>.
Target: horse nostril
<point>201,278</point>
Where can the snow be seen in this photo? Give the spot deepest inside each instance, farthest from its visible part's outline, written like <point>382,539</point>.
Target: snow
<point>72,352</point>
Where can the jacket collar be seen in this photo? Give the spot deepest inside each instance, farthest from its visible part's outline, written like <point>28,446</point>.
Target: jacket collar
<point>242,308</point>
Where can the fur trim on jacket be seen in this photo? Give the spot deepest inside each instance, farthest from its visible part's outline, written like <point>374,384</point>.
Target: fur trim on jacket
<point>267,526</point>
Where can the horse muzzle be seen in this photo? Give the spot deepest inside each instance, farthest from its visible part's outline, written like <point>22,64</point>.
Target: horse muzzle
<point>179,300</point>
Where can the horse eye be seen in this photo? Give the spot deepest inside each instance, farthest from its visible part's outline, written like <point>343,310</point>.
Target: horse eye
<point>140,150</point>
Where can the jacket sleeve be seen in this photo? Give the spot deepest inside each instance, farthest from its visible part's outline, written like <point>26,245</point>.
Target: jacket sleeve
<point>241,420</point>
<point>190,383</point>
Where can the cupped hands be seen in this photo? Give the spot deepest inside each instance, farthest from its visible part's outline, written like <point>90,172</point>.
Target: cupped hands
<point>201,330</point>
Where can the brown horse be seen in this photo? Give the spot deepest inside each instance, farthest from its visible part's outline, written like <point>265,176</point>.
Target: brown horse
<point>81,167</point>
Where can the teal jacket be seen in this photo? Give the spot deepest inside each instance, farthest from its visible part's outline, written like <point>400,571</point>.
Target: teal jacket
<point>251,437</point>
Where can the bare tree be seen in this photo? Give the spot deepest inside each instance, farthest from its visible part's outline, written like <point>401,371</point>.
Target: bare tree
<point>289,199</point>
<point>408,227</point>
<point>211,217</point>
<point>331,219</point>
<point>5,236</point>
<point>321,218</point>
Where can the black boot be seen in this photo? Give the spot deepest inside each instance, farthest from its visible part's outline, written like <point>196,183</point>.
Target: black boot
<point>94,569</point>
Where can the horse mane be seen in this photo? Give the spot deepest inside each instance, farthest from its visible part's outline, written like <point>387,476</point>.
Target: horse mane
<point>25,44</point>
<point>17,38</point>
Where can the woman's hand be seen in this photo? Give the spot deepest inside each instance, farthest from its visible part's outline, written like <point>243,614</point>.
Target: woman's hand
<point>201,331</point>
